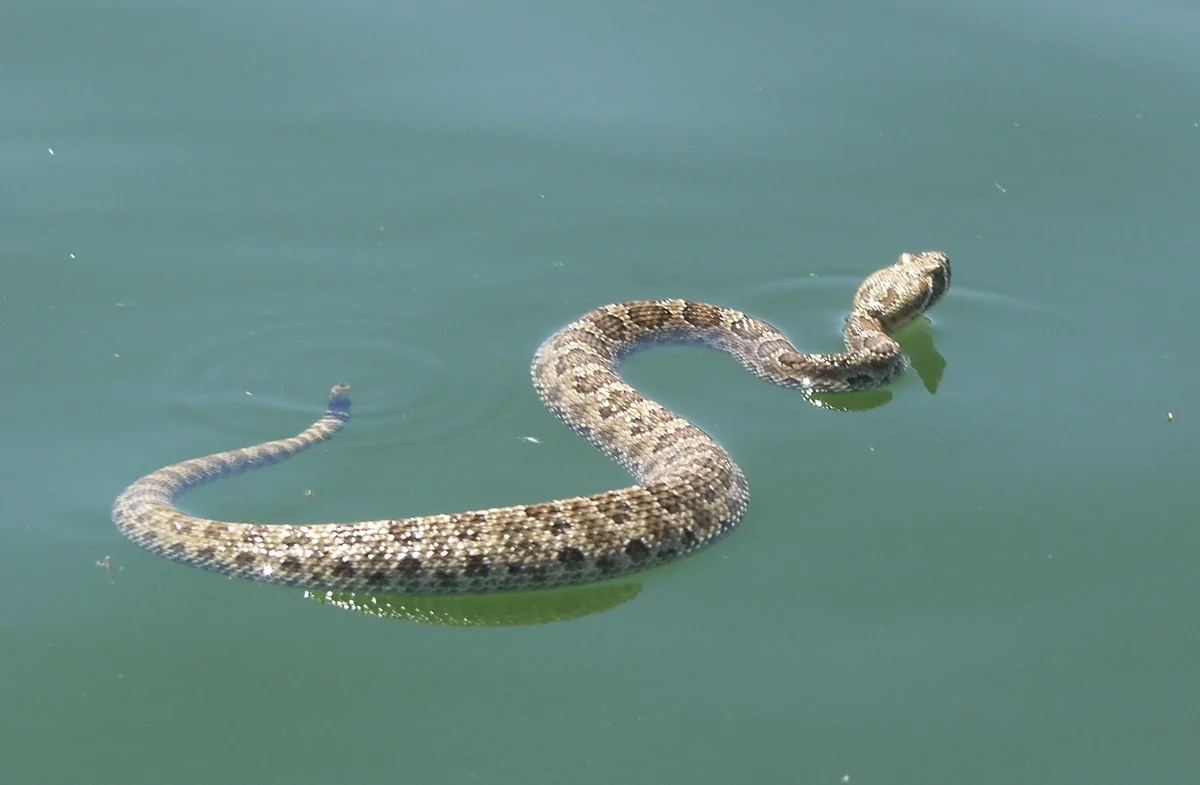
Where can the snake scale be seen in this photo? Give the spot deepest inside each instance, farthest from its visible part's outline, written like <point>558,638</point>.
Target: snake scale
<point>688,490</point>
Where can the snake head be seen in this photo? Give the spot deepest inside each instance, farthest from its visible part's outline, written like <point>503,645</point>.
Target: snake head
<point>896,295</point>
<point>934,267</point>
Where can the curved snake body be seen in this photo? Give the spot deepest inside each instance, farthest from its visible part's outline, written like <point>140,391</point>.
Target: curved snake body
<point>688,490</point>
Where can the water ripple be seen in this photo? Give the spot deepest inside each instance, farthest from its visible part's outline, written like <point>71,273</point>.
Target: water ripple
<point>413,380</point>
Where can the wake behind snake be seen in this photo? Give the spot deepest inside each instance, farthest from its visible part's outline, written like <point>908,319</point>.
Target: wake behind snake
<point>688,491</point>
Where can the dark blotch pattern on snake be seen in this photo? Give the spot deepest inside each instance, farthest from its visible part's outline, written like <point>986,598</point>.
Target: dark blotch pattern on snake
<point>688,490</point>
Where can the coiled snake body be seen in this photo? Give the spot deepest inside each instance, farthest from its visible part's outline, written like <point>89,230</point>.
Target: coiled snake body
<point>689,492</point>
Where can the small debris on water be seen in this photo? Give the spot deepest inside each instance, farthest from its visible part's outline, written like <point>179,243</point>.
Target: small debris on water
<point>106,563</point>
<point>1170,416</point>
<point>531,439</point>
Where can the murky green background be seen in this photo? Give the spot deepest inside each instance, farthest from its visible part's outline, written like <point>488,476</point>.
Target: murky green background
<point>210,212</point>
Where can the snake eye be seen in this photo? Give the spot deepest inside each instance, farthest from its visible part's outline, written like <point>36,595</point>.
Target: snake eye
<point>940,282</point>
<point>939,276</point>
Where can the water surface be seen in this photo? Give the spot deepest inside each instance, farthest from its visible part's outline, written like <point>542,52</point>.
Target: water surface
<point>209,213</point>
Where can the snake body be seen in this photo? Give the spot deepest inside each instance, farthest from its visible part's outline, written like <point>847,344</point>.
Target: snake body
<point>688,491</point>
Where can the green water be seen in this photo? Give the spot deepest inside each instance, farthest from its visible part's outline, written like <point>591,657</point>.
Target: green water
<point>209,213</point>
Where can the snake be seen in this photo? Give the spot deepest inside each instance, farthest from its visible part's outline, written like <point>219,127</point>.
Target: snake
<point>687,494</point>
